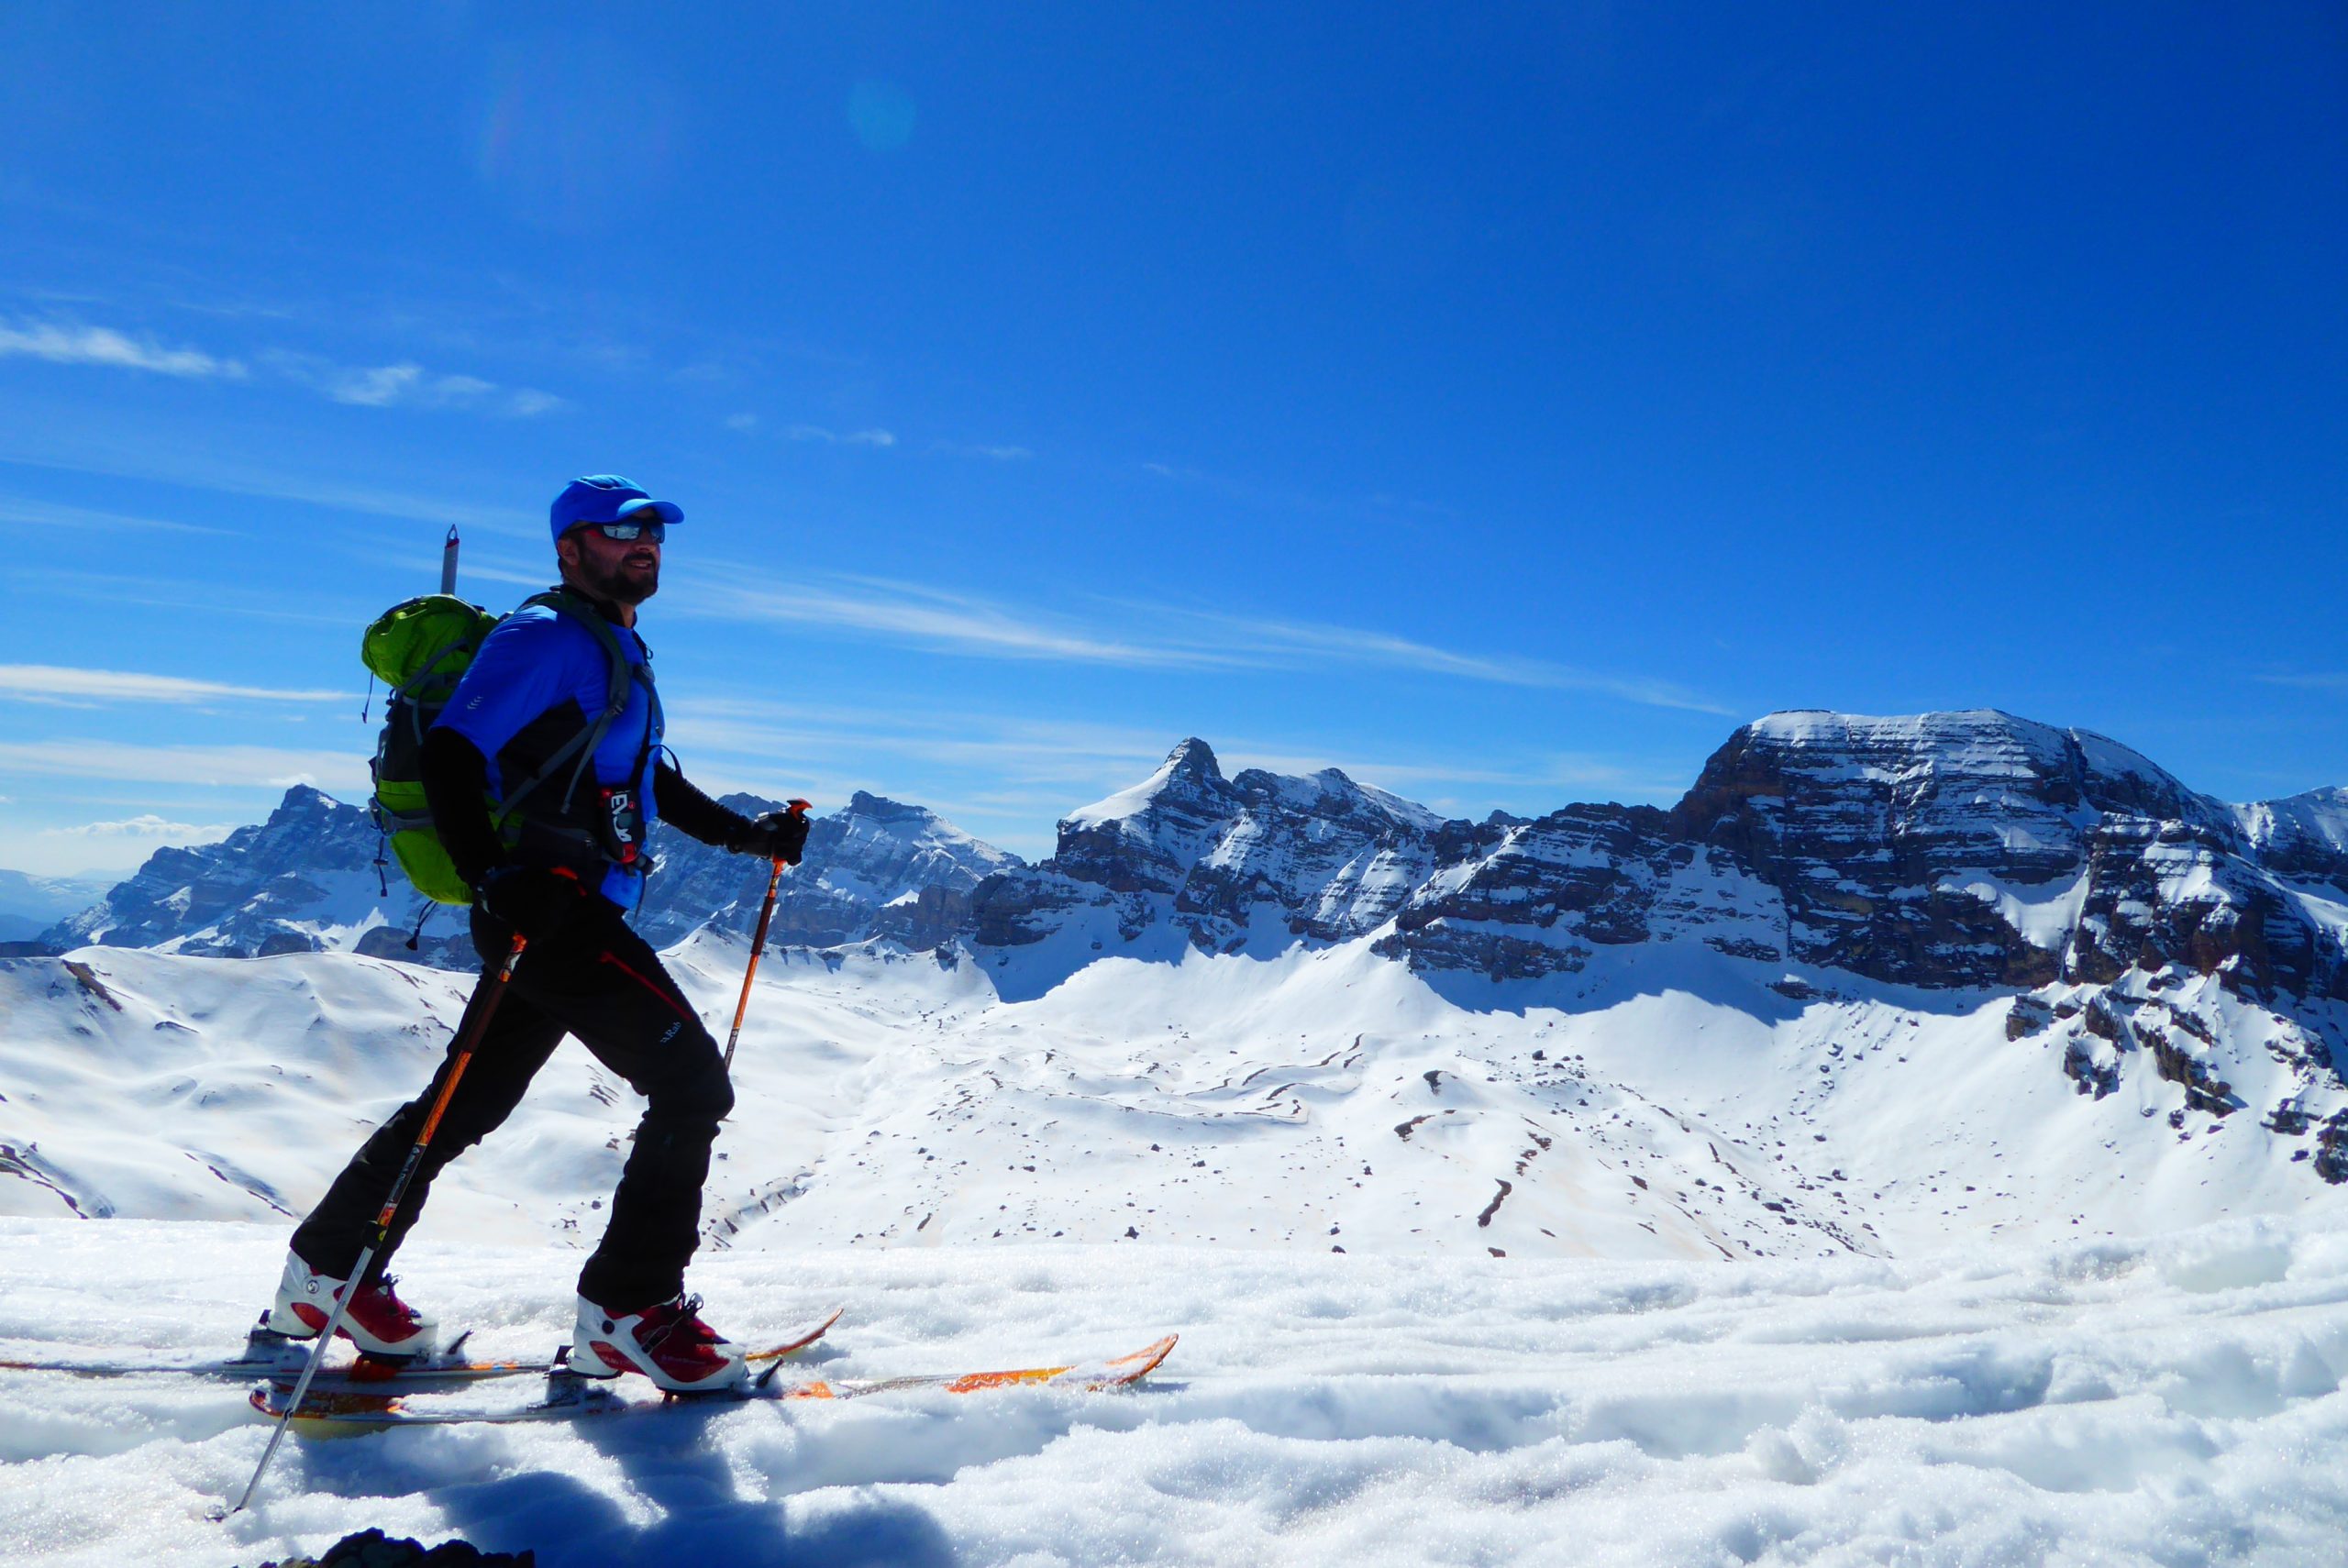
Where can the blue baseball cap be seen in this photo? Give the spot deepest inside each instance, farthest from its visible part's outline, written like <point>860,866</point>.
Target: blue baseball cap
<point>606,498</point>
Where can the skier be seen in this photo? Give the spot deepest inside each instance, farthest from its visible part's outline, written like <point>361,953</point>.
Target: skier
<point>561,864</point>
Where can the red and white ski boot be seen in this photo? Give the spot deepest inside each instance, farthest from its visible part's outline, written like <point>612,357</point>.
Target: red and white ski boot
<point>377,1321</point>
<point>667,1342</point>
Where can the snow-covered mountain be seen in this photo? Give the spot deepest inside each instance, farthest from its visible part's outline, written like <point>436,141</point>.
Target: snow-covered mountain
<point>876,867</point>
<point>1872,985</point>
<point>303,882</point>
<point>1969,854</point>
<point>307,881</point>
<point>1188,859</point>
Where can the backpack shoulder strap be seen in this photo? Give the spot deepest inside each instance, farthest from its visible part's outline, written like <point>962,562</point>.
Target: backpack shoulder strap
<point>564,601</point>
<point>625,673</point>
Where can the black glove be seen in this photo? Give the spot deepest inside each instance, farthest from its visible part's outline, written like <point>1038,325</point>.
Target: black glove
<point>536,902</point>
<point>778,836</point>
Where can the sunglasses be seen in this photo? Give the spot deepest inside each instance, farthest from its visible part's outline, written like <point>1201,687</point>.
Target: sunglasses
<point>655,530</point>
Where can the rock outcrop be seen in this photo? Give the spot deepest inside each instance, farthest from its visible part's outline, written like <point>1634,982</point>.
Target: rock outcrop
<point>1261,858</point>
<point>1969,852</point>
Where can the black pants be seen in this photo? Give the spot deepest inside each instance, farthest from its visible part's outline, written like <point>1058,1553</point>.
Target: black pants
<point>597,980</point>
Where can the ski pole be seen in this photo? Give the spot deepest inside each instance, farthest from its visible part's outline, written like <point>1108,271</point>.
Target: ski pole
<point>758,946</point>
<point>484,1003</point>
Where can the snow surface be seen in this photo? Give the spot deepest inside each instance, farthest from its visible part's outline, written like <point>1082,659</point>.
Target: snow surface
<point>2318,819</point>
<point>1676,1258</point>
<point>2174,1401</point>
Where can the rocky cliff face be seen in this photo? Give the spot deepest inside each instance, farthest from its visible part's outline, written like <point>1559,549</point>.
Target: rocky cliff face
<point>301,881</point>
<point>876,867</point>
<point>2133,919</point>
<point>1218,863</point>
<point>306,881</point>
<point>1982,850</point>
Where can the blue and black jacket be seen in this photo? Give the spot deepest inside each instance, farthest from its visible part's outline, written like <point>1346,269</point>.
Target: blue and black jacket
<point>508,769</point>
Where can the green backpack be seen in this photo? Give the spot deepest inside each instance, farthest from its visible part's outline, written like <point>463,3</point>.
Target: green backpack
<point>421,648</point>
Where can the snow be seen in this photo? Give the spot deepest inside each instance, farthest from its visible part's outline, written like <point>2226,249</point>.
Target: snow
<point>2169,1401</point>
<point>1793,1267</point>
<point>2045,916</point>
<point>2318,819</point>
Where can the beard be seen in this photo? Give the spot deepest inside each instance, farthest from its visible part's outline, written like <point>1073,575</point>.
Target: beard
<point>631,580</point>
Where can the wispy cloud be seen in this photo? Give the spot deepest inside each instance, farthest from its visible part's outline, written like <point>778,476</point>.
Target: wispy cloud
<point>49,682</point>
<point>84,453</point>
<point>1146,635</point>
<point>211,766</point>
<point>401,384</point>
<point>119,592</point>
<point>2308,680</point>
<point>841,438</point>
<point>406,385</point>
<point>1008,776</point>
<point>64,344</point>
<point>147,826</point>
<point>1280,640</point>
<point>1023,749</point>
<point>930,618</point>
<point>48,514</point>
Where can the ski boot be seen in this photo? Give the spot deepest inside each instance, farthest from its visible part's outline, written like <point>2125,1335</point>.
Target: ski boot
<point>377,1320</point>
<point>667,1343</point>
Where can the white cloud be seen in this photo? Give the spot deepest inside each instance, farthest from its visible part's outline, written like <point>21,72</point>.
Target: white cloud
<point>48,515</point>
<point>742,422</point>
<point>932,619</point>
<point>147,826</point>
<point>211,766</point>
<point>1287,640</point>
<point>65,345</point>
<point>1145,636</point>
<point>406,385</point>
<point>59,683</point>
<point>842,438</point>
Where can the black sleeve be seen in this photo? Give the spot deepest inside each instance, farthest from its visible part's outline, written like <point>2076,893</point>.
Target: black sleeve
<point>456,791</point>
<point>694,813</point>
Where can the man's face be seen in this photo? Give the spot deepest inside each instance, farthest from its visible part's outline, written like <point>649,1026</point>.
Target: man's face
<point>626,572</point>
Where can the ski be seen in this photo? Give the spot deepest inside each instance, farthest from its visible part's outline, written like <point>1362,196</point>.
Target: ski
<point>279,1359</point>
<point>570,1395</point>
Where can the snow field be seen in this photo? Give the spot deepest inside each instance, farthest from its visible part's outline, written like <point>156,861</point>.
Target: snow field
<point>1668,1105</point>
<point>2172,1401</point>
<point>1934,1343</point>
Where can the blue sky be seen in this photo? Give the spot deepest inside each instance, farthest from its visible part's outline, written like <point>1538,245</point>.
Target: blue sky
<point>1500,403</point>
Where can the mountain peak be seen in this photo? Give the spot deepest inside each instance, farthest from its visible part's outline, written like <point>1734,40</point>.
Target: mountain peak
<point>303,801</point>
<point>1192,759</point>
<point>864,803</point>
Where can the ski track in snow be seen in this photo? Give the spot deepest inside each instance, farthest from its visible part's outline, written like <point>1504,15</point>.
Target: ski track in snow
<point>2174,1401</point>
<point>1857,1279</point>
